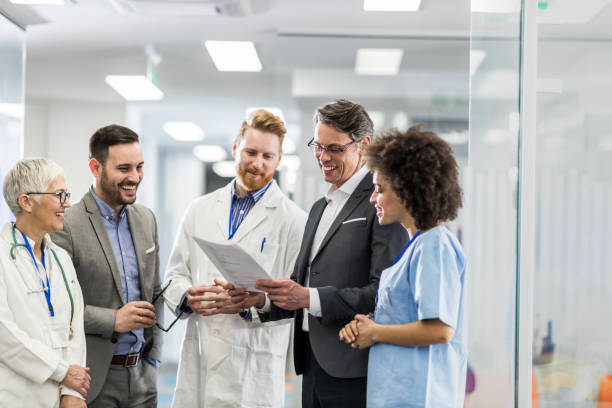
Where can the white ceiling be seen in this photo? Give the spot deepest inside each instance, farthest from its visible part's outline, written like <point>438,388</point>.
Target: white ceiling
<point>307,50</point>
<point>89,39</point>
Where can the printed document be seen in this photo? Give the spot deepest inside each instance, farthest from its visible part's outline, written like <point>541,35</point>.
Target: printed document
<point>235,264</point>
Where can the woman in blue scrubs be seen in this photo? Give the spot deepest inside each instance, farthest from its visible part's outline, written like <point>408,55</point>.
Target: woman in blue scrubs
<point>417,334</point>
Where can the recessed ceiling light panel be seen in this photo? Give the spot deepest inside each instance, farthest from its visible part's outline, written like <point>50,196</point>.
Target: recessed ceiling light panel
<point>134,87</point>
<point>39,2</point>
<point>184,131</point>
<point>209,153</point>
<point>13,110</point>
<point>226,168</point>
<point>391,5</point>
<point>234,56</point>
<point>289,146</point>
<point>378,61</point>
<point>495,6</point>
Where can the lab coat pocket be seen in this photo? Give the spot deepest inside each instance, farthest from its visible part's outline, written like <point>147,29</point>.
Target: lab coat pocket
<point>224,370</point>
<point>265,372</point>
<point>56,335</point>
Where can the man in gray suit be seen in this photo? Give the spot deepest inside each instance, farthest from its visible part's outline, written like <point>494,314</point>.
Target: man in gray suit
<point>113,245</point>
<point>336,274</point>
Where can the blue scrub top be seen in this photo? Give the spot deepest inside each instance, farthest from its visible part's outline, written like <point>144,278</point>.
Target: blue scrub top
<point>427,282</point>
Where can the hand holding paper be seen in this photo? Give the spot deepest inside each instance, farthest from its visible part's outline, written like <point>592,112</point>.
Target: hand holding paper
<point>234,263</point>
<point>207,300</point>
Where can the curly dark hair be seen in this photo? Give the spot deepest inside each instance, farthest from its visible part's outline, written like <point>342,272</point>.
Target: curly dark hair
<point>422,171</point>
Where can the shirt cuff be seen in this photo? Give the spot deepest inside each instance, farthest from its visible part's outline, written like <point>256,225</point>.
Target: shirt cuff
<point>315,303</point>
<point>266,308</point>
<point>182,306</point>
<point>246,315</point>
<point>70,391</point>
<point>60,372</point>
<point>152,361</point>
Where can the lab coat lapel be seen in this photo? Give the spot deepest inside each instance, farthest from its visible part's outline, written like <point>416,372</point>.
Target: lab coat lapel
<point>360,193</point>
<point>95,218</point>
<point>23,260</point>
<point>140,246</point>
<point>259,212</point>
<point>222,210</point>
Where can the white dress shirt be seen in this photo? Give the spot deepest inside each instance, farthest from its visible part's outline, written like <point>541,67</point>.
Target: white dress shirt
<point>336,198</point>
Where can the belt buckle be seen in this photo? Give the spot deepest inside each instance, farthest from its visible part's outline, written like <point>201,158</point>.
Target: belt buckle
<point>131,360</point>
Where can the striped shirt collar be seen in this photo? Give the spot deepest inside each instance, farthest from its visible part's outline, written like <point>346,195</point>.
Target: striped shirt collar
<point>256,195</point>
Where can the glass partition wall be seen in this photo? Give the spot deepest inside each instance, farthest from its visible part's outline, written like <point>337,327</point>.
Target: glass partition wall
<point>539,204</point>
<point>491,183</point>
<point>12,51</point>
<point>572,357</point>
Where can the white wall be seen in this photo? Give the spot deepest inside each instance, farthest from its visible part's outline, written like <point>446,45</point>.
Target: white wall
<point>60,130</point>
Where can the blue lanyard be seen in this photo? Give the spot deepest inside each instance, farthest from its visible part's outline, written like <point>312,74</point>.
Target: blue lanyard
<point>46,289</point>
<point>406,248</point>
<point>231,233</point>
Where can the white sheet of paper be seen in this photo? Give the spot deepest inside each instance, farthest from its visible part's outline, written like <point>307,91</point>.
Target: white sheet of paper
<point>235,264</point>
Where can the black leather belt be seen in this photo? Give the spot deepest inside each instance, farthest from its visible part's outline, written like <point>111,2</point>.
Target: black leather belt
<point>126,360</point>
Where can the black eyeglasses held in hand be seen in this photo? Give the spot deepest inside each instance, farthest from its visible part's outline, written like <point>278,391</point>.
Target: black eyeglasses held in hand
<point>177,317</point>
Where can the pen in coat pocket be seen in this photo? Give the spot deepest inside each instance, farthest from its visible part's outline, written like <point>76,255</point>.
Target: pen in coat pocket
<point>263,242</point>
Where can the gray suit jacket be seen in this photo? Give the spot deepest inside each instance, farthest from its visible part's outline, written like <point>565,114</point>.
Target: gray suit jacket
<point>346,271</point>
<point>84,237</point>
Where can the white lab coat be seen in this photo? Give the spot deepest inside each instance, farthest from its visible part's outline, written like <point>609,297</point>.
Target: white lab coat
<point>35,349</point>
<point>225,360</point>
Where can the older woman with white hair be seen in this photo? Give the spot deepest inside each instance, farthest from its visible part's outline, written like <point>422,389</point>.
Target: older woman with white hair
<point>42,340</point>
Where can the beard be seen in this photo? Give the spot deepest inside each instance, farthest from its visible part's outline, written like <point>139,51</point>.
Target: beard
<point>249,183</point>
<point>112,192</point>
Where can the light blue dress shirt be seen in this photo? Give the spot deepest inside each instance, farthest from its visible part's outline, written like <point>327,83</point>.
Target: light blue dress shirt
<point>120,238</point>
<point>427,282</point>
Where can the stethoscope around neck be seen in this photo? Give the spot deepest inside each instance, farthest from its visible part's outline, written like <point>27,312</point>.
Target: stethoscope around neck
<point>16,244</point>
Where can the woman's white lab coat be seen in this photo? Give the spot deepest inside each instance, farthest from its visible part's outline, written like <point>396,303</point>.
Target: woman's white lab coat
<point>225,360</point>
<point>35,349</point>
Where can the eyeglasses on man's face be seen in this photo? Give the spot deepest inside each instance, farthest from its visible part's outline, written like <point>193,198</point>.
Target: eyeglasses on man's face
<point>331,149</point>
<point>167,329</point>
<point>62,195</point>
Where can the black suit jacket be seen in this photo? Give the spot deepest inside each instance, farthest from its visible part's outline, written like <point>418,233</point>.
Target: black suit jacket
<point>346,271</point>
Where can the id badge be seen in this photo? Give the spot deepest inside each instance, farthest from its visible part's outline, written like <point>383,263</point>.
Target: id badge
<point>57,335</point>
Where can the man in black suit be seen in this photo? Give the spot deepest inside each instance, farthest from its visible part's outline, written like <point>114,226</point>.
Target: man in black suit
<point>336,274</point>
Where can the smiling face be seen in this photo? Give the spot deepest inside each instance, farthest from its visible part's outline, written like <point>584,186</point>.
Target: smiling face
<point>339,167</point>
<point>48,213</point>
<point>256,154</point>
<point>118,179</point>
<point>389,207</point>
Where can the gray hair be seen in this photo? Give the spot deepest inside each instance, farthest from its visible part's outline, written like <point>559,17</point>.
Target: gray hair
<point>29,175</point>
<point>347,117</point>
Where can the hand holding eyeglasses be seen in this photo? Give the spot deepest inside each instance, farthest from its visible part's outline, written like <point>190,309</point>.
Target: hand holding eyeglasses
<point>134,315</point>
